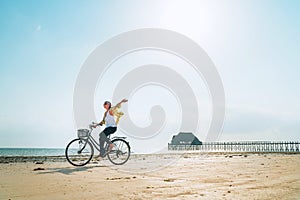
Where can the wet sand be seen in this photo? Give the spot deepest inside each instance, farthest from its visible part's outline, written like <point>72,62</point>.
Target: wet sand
<point>164,176</point>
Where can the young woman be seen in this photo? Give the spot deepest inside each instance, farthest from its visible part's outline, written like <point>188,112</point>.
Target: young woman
<point>110,122</point>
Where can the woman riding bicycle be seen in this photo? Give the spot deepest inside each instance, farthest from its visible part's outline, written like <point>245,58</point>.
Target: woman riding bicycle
<point>111,124</point>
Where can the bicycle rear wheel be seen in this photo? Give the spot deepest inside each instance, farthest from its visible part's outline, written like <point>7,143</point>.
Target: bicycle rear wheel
<point>120,152</point>
<point>79,152</point>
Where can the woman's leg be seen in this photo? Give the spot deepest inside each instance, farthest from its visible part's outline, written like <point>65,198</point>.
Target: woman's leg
<point>103,138</point>
<point>110,130</point>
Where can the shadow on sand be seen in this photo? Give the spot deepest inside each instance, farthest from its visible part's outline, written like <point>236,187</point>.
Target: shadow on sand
<point>68,170</point>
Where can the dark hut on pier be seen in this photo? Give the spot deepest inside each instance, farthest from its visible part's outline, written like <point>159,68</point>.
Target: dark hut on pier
<point>185,138</point>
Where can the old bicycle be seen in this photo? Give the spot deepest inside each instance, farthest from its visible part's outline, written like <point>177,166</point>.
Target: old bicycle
<point>80,151</point>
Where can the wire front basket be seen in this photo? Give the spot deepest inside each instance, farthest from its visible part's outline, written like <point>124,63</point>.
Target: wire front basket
<point>83,133</point>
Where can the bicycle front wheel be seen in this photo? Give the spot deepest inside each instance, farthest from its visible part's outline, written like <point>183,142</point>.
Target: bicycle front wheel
<point>79,152</point>
<point>120,152</point>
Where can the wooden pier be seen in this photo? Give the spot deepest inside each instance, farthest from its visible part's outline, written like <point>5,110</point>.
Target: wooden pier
<point>251,146</point>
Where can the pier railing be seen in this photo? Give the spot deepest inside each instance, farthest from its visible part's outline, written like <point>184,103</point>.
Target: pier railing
<point>255,146</point>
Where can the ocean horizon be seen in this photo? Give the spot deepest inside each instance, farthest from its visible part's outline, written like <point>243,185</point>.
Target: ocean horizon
<point>32,151</point>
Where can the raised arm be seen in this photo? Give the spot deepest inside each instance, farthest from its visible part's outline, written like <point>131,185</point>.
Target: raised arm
<point>119,104</point>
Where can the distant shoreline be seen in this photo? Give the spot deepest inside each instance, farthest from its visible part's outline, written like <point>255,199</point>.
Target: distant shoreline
<point>62,158</point>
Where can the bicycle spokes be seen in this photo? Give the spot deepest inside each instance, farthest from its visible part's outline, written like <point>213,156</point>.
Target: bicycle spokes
<point>79,152</point>
<point>120,153</point>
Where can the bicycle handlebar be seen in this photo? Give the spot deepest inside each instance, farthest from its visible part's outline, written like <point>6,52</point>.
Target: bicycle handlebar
<point>91,126</point>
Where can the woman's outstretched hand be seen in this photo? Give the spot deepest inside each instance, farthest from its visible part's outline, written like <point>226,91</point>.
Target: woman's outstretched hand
<point>124,100</point>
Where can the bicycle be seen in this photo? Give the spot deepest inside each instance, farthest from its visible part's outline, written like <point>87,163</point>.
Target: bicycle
<point>80,151</point>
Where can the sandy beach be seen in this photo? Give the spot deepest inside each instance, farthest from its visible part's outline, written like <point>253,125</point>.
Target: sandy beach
<point>189,176</point>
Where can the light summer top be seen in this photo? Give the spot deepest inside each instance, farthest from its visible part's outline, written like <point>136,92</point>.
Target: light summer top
<point>110,120</point>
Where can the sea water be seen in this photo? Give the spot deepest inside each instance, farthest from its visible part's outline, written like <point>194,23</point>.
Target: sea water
<point>32,151</point>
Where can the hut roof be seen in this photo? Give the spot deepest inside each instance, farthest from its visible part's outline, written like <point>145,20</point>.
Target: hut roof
<point>184,138</point>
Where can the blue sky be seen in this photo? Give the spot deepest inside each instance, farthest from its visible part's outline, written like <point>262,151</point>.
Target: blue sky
<point>255,46</point>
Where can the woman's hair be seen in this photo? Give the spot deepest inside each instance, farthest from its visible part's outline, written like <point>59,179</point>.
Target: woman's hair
<point>107,102</point>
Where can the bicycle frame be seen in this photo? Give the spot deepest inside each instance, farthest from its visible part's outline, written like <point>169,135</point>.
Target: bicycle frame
<point>94,143</point>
